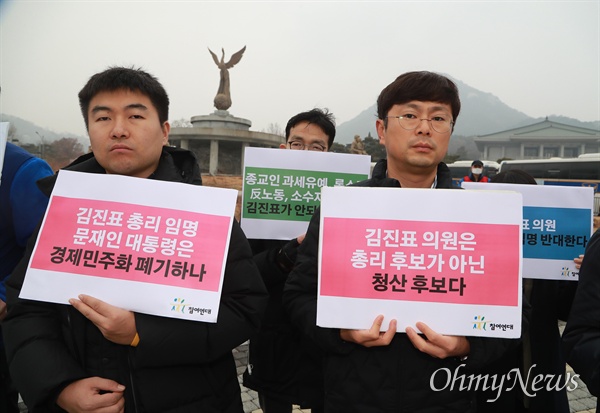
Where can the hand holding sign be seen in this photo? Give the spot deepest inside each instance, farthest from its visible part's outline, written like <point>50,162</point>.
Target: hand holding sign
<point>438,345</point>
<point>115,324</point>
<point>373,337</point>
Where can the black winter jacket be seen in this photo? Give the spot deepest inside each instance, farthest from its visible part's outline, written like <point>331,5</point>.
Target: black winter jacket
<point>179,365</point>
<point>390,379</point>
<point>581,338</point>
<point>283,363</point>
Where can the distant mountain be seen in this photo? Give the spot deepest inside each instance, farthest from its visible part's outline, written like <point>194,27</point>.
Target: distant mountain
<point>27,132</point>
<point>481,113</point>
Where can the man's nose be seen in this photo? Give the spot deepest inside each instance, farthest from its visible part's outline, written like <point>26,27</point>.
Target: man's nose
<point>424,126</point>
<point>119,130</point>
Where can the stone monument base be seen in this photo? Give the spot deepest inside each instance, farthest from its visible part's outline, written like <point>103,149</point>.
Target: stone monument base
<point>219,139</point>
<point>221,119</point>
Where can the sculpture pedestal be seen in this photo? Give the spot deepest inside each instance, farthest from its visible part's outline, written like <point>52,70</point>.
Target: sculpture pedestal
<point>221,119</point>
<point>219,139</point>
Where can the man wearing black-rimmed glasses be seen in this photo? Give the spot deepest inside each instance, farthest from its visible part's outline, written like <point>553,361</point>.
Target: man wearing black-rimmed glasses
<point>284,366</point>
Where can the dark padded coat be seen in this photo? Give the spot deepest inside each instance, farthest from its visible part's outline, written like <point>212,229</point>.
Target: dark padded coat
<point>389,379</point>
<point>283,363</point>
<point>179,365</point>
<point>581,338</point>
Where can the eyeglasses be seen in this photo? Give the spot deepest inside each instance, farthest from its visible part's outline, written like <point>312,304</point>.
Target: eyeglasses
<point>300,146</point>
<point>411,122</point>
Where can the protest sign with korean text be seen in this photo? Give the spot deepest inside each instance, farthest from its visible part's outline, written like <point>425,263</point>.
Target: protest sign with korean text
<point>420,255</point>
<point>282,188</point>
<point>148,246</point>
<point>557,224</point>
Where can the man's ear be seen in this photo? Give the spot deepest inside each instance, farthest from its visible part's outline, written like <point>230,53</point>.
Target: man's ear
<point>380,126</point>
<point>282,146</point>
<point>166,128</point>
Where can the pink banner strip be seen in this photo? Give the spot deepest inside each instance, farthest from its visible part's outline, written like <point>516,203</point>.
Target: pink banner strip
<point>133,242</point>
<point>444,262</point>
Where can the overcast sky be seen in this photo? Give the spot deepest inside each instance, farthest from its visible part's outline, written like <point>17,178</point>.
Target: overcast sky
<point>539,57</point>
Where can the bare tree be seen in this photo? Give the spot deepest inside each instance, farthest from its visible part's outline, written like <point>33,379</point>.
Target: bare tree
<point>181,123</point>
<point>274,129</point>
<point>63,151</point>
<point>12,132</point>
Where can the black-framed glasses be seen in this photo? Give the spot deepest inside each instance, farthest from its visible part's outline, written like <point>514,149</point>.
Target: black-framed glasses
<point>439,124</point>
<point>300,146</point>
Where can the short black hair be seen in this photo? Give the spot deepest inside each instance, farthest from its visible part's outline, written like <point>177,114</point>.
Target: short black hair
<point>320,117</point>
<point>124,78</point>
<point>513,176</point>
<point>422,86</point>
<point>477,163</point>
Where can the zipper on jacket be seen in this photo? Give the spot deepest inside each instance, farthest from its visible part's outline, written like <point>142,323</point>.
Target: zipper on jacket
<point>131,381</point>
<point>71,334</point>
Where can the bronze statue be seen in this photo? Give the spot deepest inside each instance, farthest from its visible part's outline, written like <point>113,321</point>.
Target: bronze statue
<point>358,146</point>
<point>223,98</point>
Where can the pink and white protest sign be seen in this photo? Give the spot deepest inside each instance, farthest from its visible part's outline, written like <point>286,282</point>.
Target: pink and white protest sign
<point>421,255</point>
<point>149,246</point>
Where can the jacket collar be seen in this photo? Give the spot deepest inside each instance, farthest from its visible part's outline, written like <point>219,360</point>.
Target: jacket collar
<point>176,165</point>
<point>380,178</point>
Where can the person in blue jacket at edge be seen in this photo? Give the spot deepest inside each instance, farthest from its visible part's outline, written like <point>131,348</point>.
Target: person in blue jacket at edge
<point>22,205</point>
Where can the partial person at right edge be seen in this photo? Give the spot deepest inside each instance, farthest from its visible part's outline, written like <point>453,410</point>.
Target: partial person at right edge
<point>540,352</point>
<point>581,338</point>
<point>284,365</point>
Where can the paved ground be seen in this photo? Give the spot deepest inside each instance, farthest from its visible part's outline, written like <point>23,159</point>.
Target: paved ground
<point>580,399</point>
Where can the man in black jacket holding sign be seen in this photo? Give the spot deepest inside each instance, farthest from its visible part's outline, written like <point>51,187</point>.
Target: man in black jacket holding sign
<point>92,356</point>
<point>372,371</point>
<point>284,366</point>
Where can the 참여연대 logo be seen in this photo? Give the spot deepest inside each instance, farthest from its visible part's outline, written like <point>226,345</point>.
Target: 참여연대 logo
<point>567,272</point>
<point>178,305</point>
<point>480,323</point>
